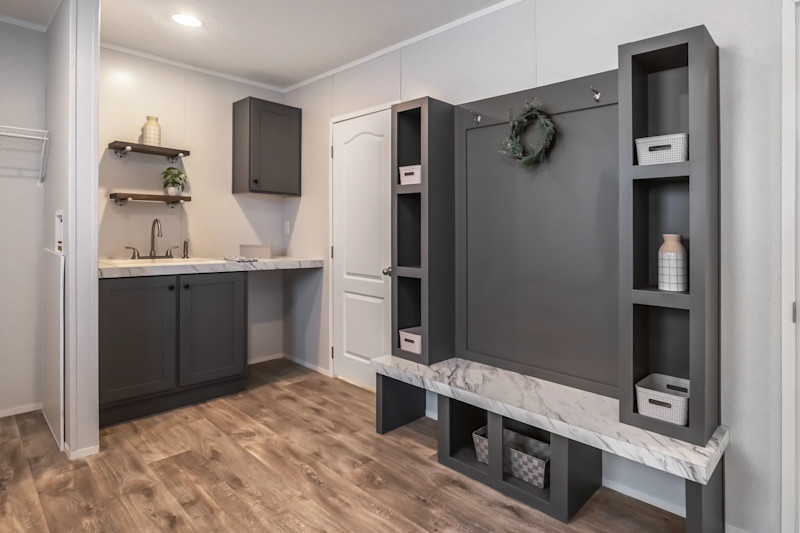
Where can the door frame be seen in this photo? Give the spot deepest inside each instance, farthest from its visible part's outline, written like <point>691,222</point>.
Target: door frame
<point>790,277</point>
<point>334,120</point>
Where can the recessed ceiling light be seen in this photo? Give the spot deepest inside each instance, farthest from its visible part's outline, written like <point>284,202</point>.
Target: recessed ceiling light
<point>187,20</point>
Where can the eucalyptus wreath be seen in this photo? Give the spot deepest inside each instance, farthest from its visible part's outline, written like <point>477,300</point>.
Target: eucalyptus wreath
<point>512,145</point>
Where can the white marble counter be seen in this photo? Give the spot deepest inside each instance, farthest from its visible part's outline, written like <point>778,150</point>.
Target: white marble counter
<point>128,268</point>
<point>582,416</point>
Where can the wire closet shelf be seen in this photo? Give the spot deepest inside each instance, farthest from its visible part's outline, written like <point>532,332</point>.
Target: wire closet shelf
<point>23,153</point>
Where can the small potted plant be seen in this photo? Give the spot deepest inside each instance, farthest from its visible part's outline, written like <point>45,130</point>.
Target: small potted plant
<point>174,181</point>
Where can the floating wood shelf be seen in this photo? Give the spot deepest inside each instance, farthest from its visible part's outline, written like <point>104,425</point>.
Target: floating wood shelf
<point>121,148</point>
<point>122,198</point>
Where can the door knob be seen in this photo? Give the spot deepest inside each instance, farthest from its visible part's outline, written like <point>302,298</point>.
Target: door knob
<point>387,271</point>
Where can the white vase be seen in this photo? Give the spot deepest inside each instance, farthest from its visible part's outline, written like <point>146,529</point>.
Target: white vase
<point>172,191</point>
<point>672,264</point>
<point>151,132</point>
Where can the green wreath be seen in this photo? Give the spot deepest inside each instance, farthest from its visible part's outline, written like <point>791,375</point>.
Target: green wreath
<point>513,147</point>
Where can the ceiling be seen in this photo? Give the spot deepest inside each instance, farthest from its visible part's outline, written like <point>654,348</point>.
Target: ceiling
<point>36,12</point>
<point>275,42</point>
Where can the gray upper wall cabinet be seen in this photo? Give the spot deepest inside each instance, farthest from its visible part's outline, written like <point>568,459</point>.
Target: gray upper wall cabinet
<point>669,84</point>
<point>266,147</point>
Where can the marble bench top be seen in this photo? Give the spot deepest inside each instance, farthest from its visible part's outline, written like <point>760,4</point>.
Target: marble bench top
<point>116,268</point>
<point>579,415</point>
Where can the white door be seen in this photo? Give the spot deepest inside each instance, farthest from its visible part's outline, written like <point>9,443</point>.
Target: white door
<point>362,245</point>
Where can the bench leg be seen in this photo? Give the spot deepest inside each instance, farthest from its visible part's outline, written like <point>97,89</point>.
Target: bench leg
<point>705,509</point>
<point>396,403</point>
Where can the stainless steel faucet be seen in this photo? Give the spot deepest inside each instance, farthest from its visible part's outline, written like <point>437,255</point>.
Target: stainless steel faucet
<point>156,224</point>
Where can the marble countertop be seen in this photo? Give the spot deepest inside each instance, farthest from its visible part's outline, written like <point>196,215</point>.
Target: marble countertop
<point>128,268</point>
<point>579,415</point>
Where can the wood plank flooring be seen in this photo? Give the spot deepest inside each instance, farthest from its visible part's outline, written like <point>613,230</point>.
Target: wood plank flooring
<point>297,451</point>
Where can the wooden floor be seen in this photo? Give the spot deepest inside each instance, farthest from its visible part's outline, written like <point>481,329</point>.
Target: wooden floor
<point>296,452</point>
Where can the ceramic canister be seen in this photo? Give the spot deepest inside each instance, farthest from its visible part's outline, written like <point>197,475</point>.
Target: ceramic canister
<point>672,264</point>
<point>151,132</point>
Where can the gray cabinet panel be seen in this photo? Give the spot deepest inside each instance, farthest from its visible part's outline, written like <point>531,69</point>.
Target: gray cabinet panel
<point>266,147</point>
<point>137,337</point>
<point>213,327</point>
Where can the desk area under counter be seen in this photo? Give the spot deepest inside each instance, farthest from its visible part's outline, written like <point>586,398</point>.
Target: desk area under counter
<point>175,331</point>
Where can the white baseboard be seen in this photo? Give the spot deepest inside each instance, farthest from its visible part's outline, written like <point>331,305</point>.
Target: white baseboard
<point>647,498</point>
<point>80,454</point>
<point>262,358</point>
<point>11,411</point>
<point>733,529</point>
<point>306,364</point>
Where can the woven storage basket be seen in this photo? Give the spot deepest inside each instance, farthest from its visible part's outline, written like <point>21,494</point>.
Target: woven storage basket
<point>664,397</point>
<point>524,458</point>
<point>663,149</point>
<point>481,443</point>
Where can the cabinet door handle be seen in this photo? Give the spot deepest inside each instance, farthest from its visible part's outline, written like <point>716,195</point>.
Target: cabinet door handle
<point>171,287</point>
<point>185,285</point>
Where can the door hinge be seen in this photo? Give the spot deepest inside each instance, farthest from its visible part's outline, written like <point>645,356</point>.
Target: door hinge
<point>331,352</point>
<point>794,312</point>
<point>331,252</point>
<point>331,150</point>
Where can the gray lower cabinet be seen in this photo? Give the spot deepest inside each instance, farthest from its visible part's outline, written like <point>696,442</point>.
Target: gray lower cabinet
<point>137,337</point>
<point>167,341</point>
<point>212,327</point>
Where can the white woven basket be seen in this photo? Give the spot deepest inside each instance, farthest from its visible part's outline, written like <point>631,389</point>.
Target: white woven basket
<point>663,149</point>
<point>664,397</point>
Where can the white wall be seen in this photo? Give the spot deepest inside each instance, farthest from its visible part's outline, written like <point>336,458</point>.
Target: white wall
<point>195,113</point>
<point>537,42</point>
<point>23,63</point>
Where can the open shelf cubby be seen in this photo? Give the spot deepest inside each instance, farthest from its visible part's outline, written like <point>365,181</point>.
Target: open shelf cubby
<point>423,228</point>
<point>409,230</point>
<point>659,206</point>
<point>660,342</point>
<point>464,419</point>
<point>660,91</point>
<point>409,138</point>
<point>518,484</point>
<point>409,307</point>
<point>669,84</point>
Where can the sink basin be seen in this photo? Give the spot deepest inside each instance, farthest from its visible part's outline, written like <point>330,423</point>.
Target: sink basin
<point>127,263</point>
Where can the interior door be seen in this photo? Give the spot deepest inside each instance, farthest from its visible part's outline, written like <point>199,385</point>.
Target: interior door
<point>362,242</point>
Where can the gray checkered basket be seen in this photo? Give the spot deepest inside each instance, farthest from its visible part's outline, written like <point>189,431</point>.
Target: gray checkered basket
<point>524,458</point>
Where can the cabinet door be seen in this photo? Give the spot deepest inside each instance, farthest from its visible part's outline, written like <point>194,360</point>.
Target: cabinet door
<point>138,322</point>
<point>213,327</point>
<point>275,149</point>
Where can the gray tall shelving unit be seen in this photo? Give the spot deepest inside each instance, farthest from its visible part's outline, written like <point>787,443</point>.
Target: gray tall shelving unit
<point>669,84</point>
<point>423,236</point>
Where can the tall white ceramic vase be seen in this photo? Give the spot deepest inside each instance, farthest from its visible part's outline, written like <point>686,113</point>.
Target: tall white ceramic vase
<point>672,264</point>
<point>151,132</point>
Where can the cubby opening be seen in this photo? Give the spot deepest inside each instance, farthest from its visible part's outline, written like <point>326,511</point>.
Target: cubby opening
<point>659,206</point>
<point>660,93</point>
<point>534,433</point>
<point>409,303</point>
<point>409,230</point>
<point>409,137</point>
<point>464,419</point>
<point>660,342</point>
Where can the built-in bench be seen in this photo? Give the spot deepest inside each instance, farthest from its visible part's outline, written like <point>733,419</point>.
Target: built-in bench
<point>572,417</point>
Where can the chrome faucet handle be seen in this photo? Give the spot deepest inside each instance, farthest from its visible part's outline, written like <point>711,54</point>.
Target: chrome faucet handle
<point>135,254</point>
<point>169,250</point>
